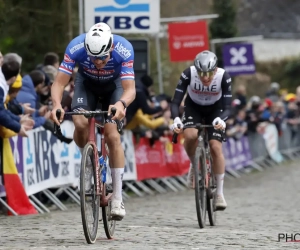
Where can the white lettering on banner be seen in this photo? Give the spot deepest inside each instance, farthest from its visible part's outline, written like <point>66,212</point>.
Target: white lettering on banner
<point>240,68</point>
<point>122,51</point>
<point>48,162</point>
<point>130,165</point>
<point>129,16</point>
<point>76,47</point>
<point>141,155</point>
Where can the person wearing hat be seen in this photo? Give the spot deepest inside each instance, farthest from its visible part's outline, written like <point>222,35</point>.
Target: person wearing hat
<point>12,104</point>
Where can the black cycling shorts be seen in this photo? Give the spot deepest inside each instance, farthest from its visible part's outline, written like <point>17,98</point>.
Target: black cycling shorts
<point>194,113</point>
<point>90,95</point>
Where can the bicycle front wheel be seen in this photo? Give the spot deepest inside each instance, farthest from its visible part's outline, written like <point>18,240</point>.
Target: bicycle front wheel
<point>89,200</point>
<point>211,198</point>
<point>200,189</point>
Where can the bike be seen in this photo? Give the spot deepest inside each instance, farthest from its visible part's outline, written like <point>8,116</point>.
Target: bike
<point>204,179</point>
<point>98,195</point>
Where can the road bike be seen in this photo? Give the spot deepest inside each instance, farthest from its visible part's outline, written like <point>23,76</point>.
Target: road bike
<point>99,194</point>
<point>204,179</point>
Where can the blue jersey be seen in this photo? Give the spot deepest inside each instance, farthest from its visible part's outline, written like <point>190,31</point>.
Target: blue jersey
<point>120,64</point>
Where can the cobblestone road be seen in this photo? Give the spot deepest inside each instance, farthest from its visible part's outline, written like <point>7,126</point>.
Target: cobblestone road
<point>260,206</point>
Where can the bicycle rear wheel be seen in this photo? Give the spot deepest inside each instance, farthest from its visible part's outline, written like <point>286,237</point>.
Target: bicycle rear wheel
<point>200,190</point>
<point>211,198</point>
<point>89,200</point>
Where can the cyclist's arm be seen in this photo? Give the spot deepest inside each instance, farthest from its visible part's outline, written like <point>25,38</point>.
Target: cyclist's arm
<point>61,81</point>
<point>128,91</point>
<point>180,91</point>
<point>226,96</point>
<point>64,74</point>
<point>127,77</point>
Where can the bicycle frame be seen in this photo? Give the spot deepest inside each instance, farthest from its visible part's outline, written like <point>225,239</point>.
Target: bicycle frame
<point>203,143</point>
<point>100,187</point>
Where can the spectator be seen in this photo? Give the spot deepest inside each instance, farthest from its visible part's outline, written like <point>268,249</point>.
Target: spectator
<point>140,102</point>
<point>253,114</point>
<point>266,113</point>
<point>33,85</point>
<point>278,115</point>
<point>51,58</point>
<point>240,94</point>
<point>51,73</point>
<point>12,104</point>
<point>237,127</point>
<point>273,92</point>
<point>8,75</point>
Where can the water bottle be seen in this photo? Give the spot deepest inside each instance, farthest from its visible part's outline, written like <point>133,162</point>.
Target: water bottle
<point>102,164</point>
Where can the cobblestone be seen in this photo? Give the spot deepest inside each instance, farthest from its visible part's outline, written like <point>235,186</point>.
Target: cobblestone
<point>260,206</point>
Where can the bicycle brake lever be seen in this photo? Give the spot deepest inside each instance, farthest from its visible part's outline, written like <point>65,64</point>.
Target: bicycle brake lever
<point>175,135</point>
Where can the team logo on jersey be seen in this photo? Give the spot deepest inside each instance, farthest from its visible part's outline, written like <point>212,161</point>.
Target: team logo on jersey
<point>184,76</point>
<point>122,51</point>
<point>76,47</point>
<point>100,72</point>
<point>128,64</point>
<point>67,59</point>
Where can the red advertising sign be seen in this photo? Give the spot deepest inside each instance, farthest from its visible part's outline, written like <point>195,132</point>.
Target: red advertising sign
<point>187,39</point>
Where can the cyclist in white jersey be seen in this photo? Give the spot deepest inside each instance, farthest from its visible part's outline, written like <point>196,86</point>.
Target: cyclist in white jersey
<point>208,97</point>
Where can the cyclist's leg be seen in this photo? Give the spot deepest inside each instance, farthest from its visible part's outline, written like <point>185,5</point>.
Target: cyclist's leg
<point>190,117</point>
<point>215,143</point>
<point>116,154</point>
<point>83,98</point>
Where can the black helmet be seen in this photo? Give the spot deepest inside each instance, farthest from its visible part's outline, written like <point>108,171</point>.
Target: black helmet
<point>206,61</point>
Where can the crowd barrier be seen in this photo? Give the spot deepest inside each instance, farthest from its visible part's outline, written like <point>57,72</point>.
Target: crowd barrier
<point>44,163</point>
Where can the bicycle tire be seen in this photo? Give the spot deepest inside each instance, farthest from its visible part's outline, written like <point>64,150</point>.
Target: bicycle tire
<point>90,235</point>
<point>109,225</point>
<point>200,190</point>
<point>211,198</point>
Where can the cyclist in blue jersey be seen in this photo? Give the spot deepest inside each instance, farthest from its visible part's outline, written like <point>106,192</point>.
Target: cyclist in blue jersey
<point>105,70</point>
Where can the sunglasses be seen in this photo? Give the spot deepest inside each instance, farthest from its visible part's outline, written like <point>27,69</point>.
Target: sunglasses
<point>102,58</point>
<point>209,73</point>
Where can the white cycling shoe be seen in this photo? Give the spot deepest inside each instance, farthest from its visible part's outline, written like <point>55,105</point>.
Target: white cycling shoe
<point>220,203</point>
<point>117,210</point>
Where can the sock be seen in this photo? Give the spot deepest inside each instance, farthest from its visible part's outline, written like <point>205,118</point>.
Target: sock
<point>117,178</point>
<point>220,181</point>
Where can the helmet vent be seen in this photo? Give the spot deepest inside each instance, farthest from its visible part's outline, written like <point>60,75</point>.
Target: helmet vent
<point>96,34</point>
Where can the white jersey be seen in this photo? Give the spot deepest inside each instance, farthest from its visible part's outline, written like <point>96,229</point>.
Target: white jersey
<point>201,94</point>
<point>3,85</point>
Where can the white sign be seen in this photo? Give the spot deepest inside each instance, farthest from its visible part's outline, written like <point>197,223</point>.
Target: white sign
<point>48,162</point>
<point>130,165</point>
<point>271,139</point>
<point>124,16</point>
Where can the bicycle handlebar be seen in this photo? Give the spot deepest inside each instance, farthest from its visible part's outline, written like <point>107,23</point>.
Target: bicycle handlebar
<point>198,126</point>
<point>57,129</point>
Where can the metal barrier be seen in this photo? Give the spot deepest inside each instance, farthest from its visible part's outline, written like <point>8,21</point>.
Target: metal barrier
<point>254,152</point>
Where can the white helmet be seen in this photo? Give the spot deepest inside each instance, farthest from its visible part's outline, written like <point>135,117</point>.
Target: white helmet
<point>99,40</point>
